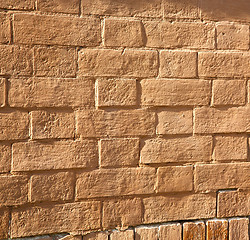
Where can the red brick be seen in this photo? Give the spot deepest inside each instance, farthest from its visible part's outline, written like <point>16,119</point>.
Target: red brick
<point>18,4</point>
<point>111,63</point>
<point>179,207</point>
<point>170,231</point>
<point>55,155</point>
<point>99,123</point>
<point>188,149</point>
<point>48,92</point>
<point>172,62</point>
<point>194,231</point>
<point>4,223</point>
<point>118,182</point>
<point>52,187</point>
<point>13,190</point>
<point>5,157</point>
<point>38,220</point>
<point>58,30</point>
<point>161,92</point>
<point>217,230</point>
<point>4,28</point>
<point>238,229</point>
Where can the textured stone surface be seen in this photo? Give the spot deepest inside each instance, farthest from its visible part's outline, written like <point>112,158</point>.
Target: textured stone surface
<point>5,157</point>
<point>146,233</point>
<point>2,91</point>
<point>194,231</point>
<point>18,4</point>
<point>171,231</point>
<point>60,6</point>
<point>217,230</point>
<point>127,235</point>
<point>4,28</point>
<point>4,223</point>
<point>96,236</point>
<point>238,229</point>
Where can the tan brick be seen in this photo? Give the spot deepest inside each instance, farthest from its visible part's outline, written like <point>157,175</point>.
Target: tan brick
<point>223,64</point>
<point>52,187</point>
<point>15,60</point>
<point>14,125</point>
<point>146,233</point>
<point>229,92</point>
<point>230,148</point>
<point>47,92</point>
<point>172,62</point>
<point>212,177</point>
<point>13,190</point>
<point>229,10</point>
<point>99,123</point>
<point>17,4</point>
<point>238,229</point>
<point>119,152</point>
<point>217,230</point>
<point>171,231</point>
<point>118,182</point>
<point>4,223</point>
<point>2,92</point>
<point>56,155</point>
<point>232,36</point>
<point>181,8</point>
<point>175,92</point>
<point>67,217</point>
<point>117,92</point>
<point>127,235</point>
<point>108,62</point>
<point>96,236</point>
<point>123,33</point>
<point>55,62</point>
<point>122,213</point>
<point>46,124</point>
<point>179,207</point>
<point>216,120</point>
<point>175,122</point>
<point>233,203</point>
<point>71,237</point>
<point>4,28</point>
<point>59,30</point>
<point>5,158</point>
<point>143,8</point>
<point>179,34</point>
<point>188,149</point>
<point>175,179</point>
<point>58,6</point>
<point>194,231</point>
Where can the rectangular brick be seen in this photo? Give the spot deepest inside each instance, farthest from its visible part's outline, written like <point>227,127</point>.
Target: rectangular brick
<point>99,123</point>
<point>59,30</point>
<point>52,187</point>
<point>5,158</point>
<point>179,34</point>
<point>48,92</point>
<point>17,4</point>
<point>116,92</point>
<point>188,149</point>
<point>179,207</point>
<point>5,34</point>
<point>118,182</point>
<point>228,148</point>
<point>96,236</point>
<point>194,230</point>
<point>172,62</point>
<point>175,179</point>
<point>232,36</point>
<point>58,6</point>
<point>238,229</point>
<point>223,64</point>
<point>233,203</point>
<point>15,60</point>
<point>220,120</point>
<point>119,152</point>
<point>108,62</point>
<point>122,213</point>
<point>175,92</point>
<point>14,125</point>
<point>55,62</point>
<point>56,155</point>
<point>142,8</point>
<point>229,92</point>
<point>13,190</point>
<point>148,233</point>
<point>4,223</point>
<point>123,33</point>
<point>50,124</point>
<point>170,231</point>
<point>126,235</point>
<point>175,122</point>
<point>229,10</point>
<point>217,229</point>
<point>212,177</point>
<point>2,92</point>
<point>181,8</point>
<point>67,217</point>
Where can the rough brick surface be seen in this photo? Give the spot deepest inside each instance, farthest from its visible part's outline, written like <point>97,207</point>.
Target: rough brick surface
<point>95,236</point>
<point>194,231</point>
<point>150,233</point>
<point>17,4</point>
<point>126,235</point>
<point>4,28</point>
<point>4,223</point>
<point>238,229</point>
<point>2,91</point>
<point>217,230</point>
<point>172,231</point>
<point>5,157</point>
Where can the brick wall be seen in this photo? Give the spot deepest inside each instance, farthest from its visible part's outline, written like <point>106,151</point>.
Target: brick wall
<point>124,115</point>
